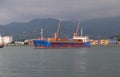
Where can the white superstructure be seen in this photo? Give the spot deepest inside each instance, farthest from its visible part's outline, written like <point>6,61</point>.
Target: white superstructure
<point>83,38</point>
<point>7,39</point>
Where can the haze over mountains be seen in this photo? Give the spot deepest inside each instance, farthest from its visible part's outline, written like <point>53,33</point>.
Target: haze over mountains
<point>95,28</point>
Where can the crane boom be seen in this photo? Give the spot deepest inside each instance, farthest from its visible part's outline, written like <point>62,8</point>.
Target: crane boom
<point>78,26</point>
<point>58,28</point>
<point>59,24</point>
<point>77,29</point>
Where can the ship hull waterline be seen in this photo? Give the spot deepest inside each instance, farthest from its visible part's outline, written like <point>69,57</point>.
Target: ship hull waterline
<point>62,45</point>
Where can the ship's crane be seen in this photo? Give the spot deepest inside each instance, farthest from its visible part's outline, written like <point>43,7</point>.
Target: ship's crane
<point>59,24</point>
<point>58,28</point>
<point>55,38</point>
<point>77,29</point>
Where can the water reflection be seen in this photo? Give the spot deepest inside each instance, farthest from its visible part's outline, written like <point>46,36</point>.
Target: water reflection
<point>80,63</point>
<point>63,62</point>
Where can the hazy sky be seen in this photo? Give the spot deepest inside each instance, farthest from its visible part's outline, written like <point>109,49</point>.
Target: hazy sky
<point>25,10</point>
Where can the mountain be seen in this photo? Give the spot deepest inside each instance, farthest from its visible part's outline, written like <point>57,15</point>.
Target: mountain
<point>32,29</point>
<point>103,27</point>
<point>96,28</point>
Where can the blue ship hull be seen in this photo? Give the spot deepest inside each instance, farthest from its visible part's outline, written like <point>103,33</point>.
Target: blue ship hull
<point>46,44</point>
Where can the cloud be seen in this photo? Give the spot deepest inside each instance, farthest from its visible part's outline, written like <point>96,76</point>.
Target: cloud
<point>24,10</point>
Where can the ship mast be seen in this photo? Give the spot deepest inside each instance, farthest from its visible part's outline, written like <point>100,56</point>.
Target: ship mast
<point>81,32</point>
<point>41,33</point>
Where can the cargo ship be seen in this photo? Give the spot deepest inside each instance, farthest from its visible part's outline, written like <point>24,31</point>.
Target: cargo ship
<point>55,42</point>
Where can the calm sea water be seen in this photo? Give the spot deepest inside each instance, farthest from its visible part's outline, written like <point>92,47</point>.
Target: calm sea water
<point>84,62</point>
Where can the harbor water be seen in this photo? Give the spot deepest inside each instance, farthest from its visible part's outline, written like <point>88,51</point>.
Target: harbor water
<point>97,61</point>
